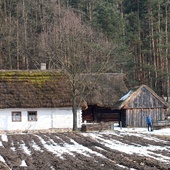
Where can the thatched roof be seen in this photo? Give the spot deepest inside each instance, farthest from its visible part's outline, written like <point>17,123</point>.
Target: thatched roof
<point>34,89</point>
<point>105,89</point>
<point>152,100</point>
<point>41,89</point>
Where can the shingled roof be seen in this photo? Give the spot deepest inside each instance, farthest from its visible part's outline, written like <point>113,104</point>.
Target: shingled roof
<point>42,89</point>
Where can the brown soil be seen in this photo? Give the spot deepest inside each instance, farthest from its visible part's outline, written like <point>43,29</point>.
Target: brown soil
<point>42,159</point>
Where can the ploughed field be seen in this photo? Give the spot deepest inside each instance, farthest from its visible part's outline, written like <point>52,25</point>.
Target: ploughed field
<point>84,151</point>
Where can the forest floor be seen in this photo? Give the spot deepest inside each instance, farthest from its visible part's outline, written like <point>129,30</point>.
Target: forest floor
<point>111,150</point>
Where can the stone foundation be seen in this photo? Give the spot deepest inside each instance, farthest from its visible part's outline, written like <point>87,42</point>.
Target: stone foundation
<point>53,130</point>
<point>87,127</point>
<point>91,127</point>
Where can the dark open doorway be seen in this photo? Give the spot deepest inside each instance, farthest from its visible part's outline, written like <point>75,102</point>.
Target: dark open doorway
<point>98,114</point>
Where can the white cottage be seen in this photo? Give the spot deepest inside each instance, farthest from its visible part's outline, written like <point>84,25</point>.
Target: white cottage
<point>35,100</point>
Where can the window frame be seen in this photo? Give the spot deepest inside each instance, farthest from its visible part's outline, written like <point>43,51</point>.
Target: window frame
<point>20,116</point>
<point>28,116</point>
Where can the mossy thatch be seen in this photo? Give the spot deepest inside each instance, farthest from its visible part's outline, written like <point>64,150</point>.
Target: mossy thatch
<point>34,89</point>
<point>41,89</point>
<point>105,89</point>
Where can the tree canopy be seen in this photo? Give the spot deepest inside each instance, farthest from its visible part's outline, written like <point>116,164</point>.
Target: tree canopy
<point>132,35</point>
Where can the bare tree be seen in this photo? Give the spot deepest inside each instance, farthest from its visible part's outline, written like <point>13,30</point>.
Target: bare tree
<point>77,50</point>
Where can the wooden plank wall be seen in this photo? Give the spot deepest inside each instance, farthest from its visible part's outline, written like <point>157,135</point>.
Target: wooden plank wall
<point>99,114</point>
<point>145,99</point>
<point>137,117</point>
<point>107,117</point>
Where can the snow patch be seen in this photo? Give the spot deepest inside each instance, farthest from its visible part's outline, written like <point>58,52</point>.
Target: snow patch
<point>162,132</point>
<point>25,148</point>
<point>54,148</point>
<point>132,148</point>
<point>82,149</point>
<point>4,138</point>
<point>125,96</point>
<point>2,159</point>
<point>52,168</point>
<point>23,163</point>
<point>122,166</point>
<point>13,149</point>
<point>65,148</point>
<point>100,148</point>
<point>36,147</point>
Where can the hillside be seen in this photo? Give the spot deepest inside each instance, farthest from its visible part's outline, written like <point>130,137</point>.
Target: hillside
<point>121,149</point>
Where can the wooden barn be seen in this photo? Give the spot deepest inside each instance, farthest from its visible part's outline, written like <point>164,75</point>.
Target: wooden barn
<point>137,104</point>
<point>109,87</point>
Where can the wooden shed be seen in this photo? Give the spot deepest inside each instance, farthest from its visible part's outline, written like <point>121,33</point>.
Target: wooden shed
<point>137,104</point>
<point>109,87</point>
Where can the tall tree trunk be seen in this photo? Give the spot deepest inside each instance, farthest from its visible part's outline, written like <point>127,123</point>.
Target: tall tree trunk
<point>25,58</point>
<point>122,21</point>
<point>74,105</point>
<point>139,56</point>
<point>154,60</point>
<point>17,55</point>
<point>167,49</point>
<point>160,60</point>
<point>9,42</point>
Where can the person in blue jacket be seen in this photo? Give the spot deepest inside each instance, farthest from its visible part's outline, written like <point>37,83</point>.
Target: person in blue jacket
<point>149,123</point>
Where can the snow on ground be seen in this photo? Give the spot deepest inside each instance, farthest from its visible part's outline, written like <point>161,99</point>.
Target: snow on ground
<point>163,132</point>
<point>25,148</point>
<point>132,148</point>
<point>148,150</point>
<point>59,150</point>
<point>51,146</point>
<point>2,159</point>
<point>23,163</point>
<point>35,146</point>
<point>4,138</point>
<point>83,149</point>
<point>1,143</point>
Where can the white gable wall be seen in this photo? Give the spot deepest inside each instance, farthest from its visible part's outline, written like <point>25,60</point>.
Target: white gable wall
<point>46,119</point>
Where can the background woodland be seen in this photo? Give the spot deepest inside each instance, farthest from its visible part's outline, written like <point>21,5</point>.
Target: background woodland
<point>119,36</point>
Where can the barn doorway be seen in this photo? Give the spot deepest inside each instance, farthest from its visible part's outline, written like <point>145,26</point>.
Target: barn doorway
<point>96,114</point>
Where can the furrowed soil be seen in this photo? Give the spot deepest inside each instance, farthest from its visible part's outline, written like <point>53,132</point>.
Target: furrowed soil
<point>83,151</point>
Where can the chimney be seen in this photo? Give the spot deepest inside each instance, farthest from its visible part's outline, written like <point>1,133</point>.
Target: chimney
<point>43,66</point>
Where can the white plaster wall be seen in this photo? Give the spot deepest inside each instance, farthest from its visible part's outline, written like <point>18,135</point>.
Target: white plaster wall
<point>47,118</point>
<point>64,118</point>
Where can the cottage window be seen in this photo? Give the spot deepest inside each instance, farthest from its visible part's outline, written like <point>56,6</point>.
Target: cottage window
<point>32,116</point>
<point>16,116</point>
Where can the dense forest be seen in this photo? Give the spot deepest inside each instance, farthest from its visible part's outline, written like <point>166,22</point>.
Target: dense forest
<point>128,36</point>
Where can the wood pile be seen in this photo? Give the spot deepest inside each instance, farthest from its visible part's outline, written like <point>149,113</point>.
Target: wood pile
<point>161,124</point>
